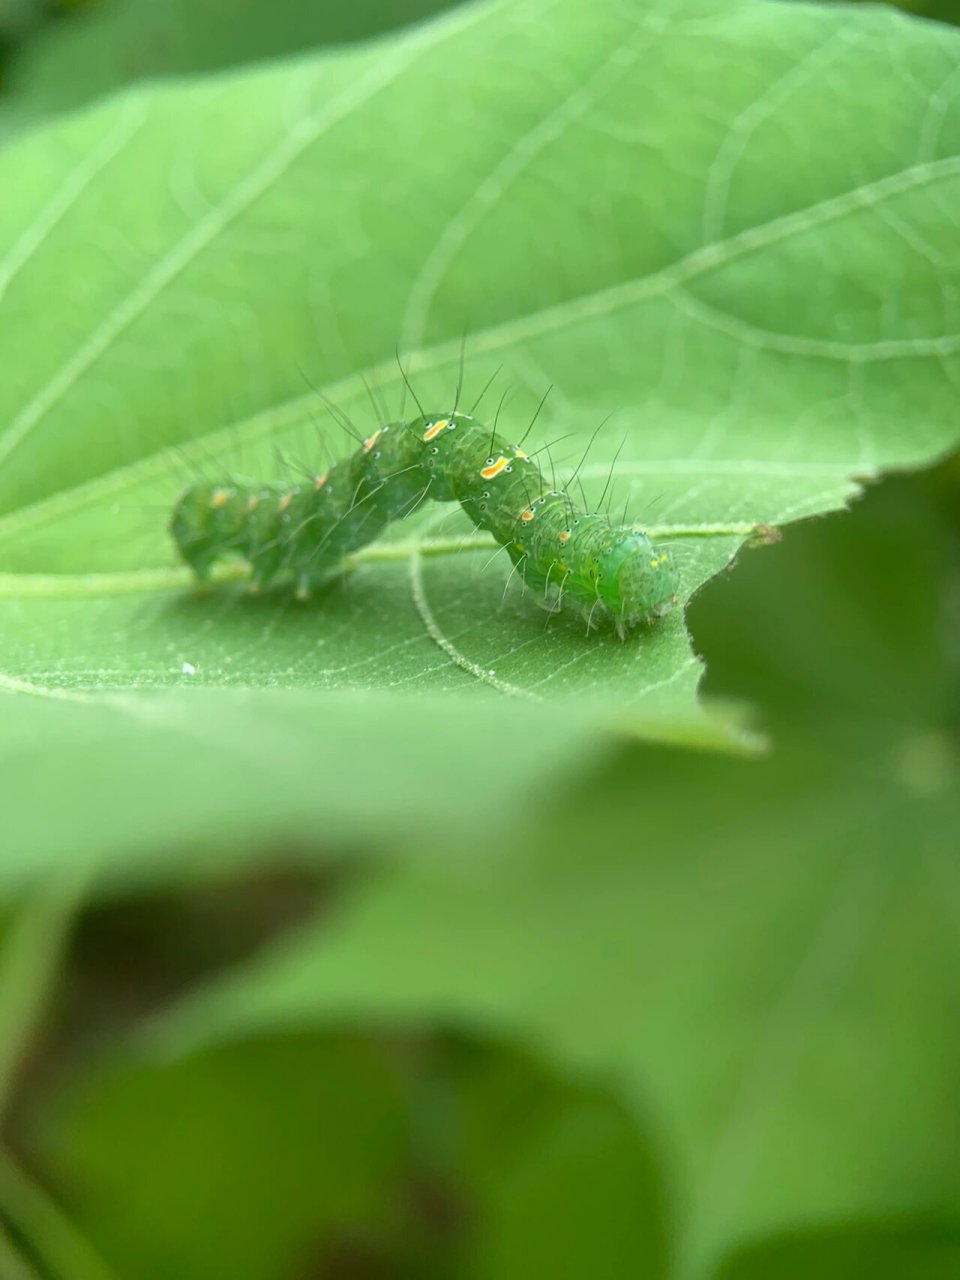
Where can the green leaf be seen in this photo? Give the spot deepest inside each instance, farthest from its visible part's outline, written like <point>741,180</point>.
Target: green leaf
<point>760,955</point>
<point>558,1172</point>
<point>883,1251</point>
<point>142,781</point>
<point>257,1157</point>
<point>105,46</point>
<point>242,1162</point>
<point>686,219</point>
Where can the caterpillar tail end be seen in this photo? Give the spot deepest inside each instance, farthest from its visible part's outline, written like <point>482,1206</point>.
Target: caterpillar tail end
<point>208,523</point>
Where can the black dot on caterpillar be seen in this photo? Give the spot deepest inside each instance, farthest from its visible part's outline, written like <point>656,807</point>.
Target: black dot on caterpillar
<point>302,533</point>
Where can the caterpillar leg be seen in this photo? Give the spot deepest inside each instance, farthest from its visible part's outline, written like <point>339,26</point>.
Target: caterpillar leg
<point>552,597</point>
<point>201,568</point>
<point>308,584</point>
<point>550,604</point>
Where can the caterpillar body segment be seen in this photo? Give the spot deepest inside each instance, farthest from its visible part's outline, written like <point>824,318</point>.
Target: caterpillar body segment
<point>303,532</point>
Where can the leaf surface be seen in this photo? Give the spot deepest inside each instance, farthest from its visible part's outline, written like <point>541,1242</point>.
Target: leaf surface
<point>679,215</point>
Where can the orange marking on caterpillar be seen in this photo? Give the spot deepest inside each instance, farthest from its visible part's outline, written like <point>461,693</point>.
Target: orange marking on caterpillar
<point>493,470</point>
<point>565,536</point>
<point>434,429</point>
<point>320,481</point>
<point>371,441</point>
<point>526,516</point>
<point>284,502</point>
<point>219,498</point>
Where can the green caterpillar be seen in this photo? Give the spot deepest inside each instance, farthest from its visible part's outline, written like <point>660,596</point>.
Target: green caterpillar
<point>303,532</point>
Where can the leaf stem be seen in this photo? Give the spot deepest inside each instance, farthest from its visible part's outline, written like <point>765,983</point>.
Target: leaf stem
<point>663,532</point>
<point>13,1265</point>
<point>63,586</point>
<point>29,962</point>
<point>51,1236</point>
<point>67,585</point>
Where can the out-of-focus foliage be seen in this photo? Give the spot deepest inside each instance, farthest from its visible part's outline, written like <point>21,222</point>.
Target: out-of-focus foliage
<point>107,44</point>
<point>937,10</point>
<point>400,1157</point>
<point>259,1157</point>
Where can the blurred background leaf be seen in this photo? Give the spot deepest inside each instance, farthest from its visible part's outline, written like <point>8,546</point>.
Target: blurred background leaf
<point>85,50</point>
<point>878,1252</point>
<point>408,1158</point>
<point>256,1156</point>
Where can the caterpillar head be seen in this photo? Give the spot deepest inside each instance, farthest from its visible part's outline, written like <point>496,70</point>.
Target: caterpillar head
<point>637,582</point>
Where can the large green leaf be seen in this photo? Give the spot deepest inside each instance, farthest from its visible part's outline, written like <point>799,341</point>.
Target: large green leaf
<point>730,225</point>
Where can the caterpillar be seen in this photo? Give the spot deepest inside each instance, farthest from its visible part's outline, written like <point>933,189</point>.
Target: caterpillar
<point>303,532</point>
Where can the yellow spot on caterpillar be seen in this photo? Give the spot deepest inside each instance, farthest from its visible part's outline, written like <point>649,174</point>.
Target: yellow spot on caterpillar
<point>526,516</point>
<point>493,470</point>
<point>654,564</point>
<point>371,441</point>
<point>284,502</point>
<point>518,453</point>
<point>664,558</point>
<point>565,536</point>
<point>219,498</point>
<point>320,481</point>
<point>434,429</point>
